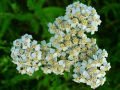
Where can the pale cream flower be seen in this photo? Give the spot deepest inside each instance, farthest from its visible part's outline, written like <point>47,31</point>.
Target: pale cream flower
<point>24,53</point>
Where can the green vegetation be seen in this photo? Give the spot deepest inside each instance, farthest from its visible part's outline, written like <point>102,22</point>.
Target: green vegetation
<point>18,17</point>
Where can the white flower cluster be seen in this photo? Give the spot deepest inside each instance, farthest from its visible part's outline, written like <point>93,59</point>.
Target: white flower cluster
<point>26,54</point>
<point>68,47</point>
<point>84,17</point>
<point>92,71</point>
<point>71,44</point>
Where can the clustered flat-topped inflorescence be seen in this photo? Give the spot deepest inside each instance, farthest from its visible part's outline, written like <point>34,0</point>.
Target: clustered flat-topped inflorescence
<point>26,54</point>
<point>68,47</point>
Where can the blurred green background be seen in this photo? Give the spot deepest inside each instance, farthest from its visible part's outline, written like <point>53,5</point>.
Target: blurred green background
<point>18,17</point>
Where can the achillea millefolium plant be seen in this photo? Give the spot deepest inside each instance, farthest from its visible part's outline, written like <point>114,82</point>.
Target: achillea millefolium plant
<point>69,47</point>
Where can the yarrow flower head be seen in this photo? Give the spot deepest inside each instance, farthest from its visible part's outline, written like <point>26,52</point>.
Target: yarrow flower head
<point>26,54</point>
<point>92,71</point>
<point>74,45</point>
<point>83,16</point>
<point>69,46</point>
